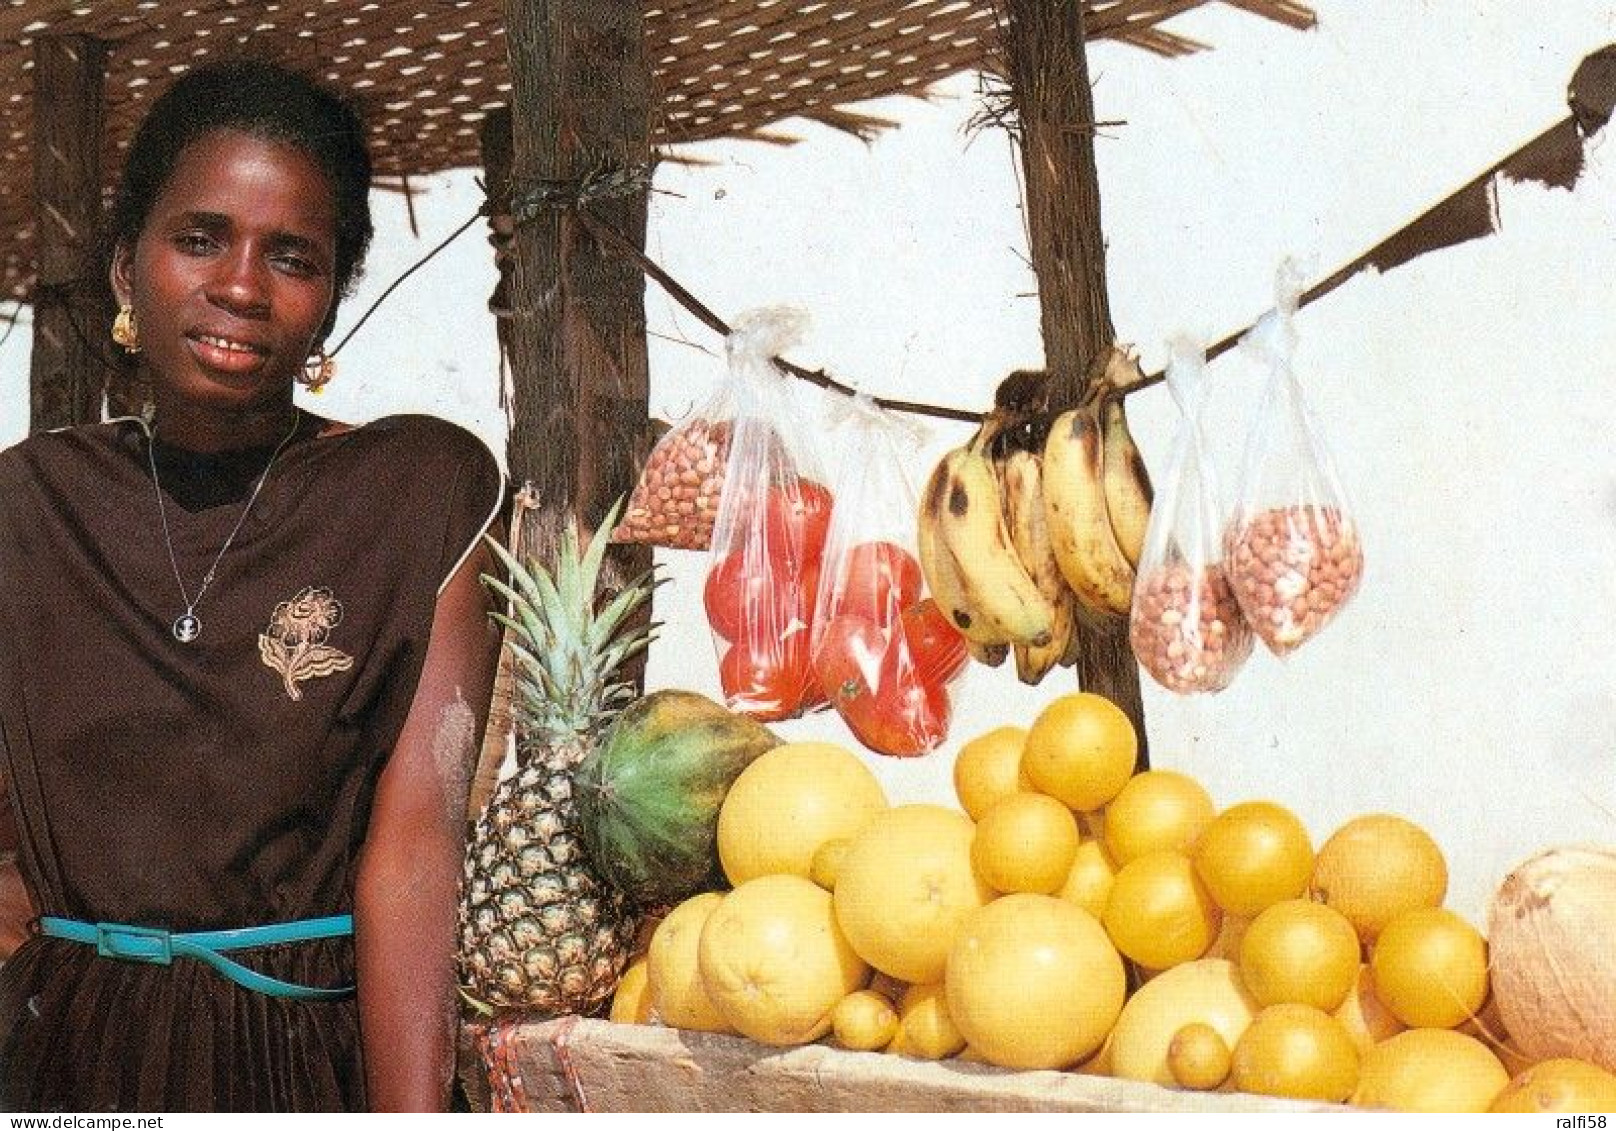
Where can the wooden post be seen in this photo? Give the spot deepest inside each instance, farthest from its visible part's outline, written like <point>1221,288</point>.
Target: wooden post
<point>581,91</point>
<point>72,306</point>
<point>1049,82</point>
<point>495,141</point>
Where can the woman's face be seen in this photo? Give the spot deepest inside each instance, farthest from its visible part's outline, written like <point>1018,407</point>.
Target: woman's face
<point>231,278</point>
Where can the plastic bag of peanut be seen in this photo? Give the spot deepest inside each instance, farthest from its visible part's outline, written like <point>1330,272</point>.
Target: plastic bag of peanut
<point>1186,627</point>
<point>1294,551</point>
<point>675,502</point>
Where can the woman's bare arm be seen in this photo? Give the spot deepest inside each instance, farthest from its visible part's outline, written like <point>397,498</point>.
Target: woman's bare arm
<point>16,908</point>
<point>406,900</point>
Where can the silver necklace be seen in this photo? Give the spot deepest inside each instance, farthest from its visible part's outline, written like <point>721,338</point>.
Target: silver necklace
<point>188,626</point>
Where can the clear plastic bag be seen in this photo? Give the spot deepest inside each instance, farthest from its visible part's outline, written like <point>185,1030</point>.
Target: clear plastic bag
<point>1186,627</point>
<point>883,652</point>
<point>1294,552</point>
<point>675,503</point>
<point>770,530</point>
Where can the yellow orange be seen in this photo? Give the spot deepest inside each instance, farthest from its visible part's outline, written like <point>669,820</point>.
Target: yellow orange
<point>988,769</point>
<point>1207,990</point>
<point>1081,750</point>
<point>1158,809</point>
<point>1430,968</point>
<point>1025,842</point>
<point>1253,855</point>
<point>673,974</point>
<point>1198,1057</point>
<point>1033,982</point>
<point>904,888</point>
<point>1430,1070</point>
<point>1088,883</point>
<point>631,1003</point>
<point>1560,1084</point>
<point>1300,951</point>
<point>1378,865</point>
<point>1298,1052</point>
<point>925,1030</point>
<point>1159,913</point>
<point>774,962</point>
<point>1363,1013</point>
<point>864,1021</point>
<point>827,861</point>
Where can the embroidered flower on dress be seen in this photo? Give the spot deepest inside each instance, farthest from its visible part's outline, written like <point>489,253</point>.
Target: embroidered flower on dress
<point>295,643</point>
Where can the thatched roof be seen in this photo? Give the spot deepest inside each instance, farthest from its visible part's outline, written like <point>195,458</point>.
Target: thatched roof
<point>427,71</point>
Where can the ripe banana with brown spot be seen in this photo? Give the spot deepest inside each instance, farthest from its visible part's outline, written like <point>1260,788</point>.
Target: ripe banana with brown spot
<point>1021,487</point>
<point>971,523</point>
<point>1080,530</point>
<point>991,655</point>
<point>943,576</point>
<point>1128,494</point>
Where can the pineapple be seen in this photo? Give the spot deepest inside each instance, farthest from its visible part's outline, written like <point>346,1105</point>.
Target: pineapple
<point>540,929</point>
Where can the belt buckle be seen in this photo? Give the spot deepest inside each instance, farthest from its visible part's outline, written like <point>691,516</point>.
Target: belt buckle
<point>134,944</point>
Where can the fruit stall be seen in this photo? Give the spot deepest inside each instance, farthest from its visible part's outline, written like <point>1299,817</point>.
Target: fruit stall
<point>680,901</point>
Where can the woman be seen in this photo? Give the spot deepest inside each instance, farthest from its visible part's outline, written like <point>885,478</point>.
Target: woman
<point>244,656</point>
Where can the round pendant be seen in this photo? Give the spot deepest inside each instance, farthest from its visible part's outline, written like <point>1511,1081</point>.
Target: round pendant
<point>187,628</point>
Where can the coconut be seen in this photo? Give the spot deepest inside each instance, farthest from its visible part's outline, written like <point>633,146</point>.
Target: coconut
<point>1552,936</point>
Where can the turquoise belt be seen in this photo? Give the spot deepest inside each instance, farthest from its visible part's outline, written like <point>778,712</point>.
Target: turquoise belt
<point>160,948</point>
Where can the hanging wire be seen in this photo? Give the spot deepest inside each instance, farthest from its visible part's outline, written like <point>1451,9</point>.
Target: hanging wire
<point>410,270</point>
<point>615,240</point>
<point>11,320</point>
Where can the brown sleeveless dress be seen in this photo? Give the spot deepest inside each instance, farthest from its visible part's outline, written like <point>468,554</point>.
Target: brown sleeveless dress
<point>217,784</point>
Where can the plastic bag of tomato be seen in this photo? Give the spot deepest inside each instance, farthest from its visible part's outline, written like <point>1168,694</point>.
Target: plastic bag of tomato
<point>770,531</point>
<point>883,654</point>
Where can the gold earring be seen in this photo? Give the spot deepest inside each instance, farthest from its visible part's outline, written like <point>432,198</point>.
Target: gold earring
<point>318,371</point>
<point>125,331</point>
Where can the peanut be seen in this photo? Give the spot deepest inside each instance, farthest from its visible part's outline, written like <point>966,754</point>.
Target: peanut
<point>676,499</point>
<point>1186,628</point>
<point>1292,569</point>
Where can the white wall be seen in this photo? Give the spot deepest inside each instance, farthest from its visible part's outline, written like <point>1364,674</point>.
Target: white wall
<point>1467,395</point>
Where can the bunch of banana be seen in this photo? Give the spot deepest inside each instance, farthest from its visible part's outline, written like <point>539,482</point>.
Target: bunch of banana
<point>1021,535</point>
<point>1097,495</point>
<point>1020,473</point>
<point>970,561</point>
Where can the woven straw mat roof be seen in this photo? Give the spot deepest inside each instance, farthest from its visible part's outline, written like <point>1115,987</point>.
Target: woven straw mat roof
<point>426,71</point>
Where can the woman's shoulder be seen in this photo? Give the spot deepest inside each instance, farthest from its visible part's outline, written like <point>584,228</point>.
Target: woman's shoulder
<point>67,447</point>
<point>430,440</point>
<point>442,465</point>
<point>441,468</point>
<point>49,472</point>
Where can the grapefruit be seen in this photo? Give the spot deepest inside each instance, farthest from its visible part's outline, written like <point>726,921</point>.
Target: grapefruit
<point>904,887</point>
<point>788,803</point>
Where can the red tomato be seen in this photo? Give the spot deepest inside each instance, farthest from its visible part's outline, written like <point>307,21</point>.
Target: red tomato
<point>797,520</point>
<point>807,582</point>
<point>874,685</point>
<point>813,696</point>
<point>769,682</point>
<point>849,659</point>
<point>935,646</point>
<point>764,602</point>
<point>878,580</point>
<point>909,716</point>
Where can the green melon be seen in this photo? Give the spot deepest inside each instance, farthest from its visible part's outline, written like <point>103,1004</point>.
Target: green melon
<point>649,794</point>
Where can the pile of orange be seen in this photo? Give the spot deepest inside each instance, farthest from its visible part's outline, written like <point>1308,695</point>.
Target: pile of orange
<point>1076,914</point>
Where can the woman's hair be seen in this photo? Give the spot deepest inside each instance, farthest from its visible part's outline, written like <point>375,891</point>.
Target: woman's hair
<point>267,101</point>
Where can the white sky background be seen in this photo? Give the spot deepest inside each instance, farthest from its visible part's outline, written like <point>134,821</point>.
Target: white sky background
<point>1467,396</point>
